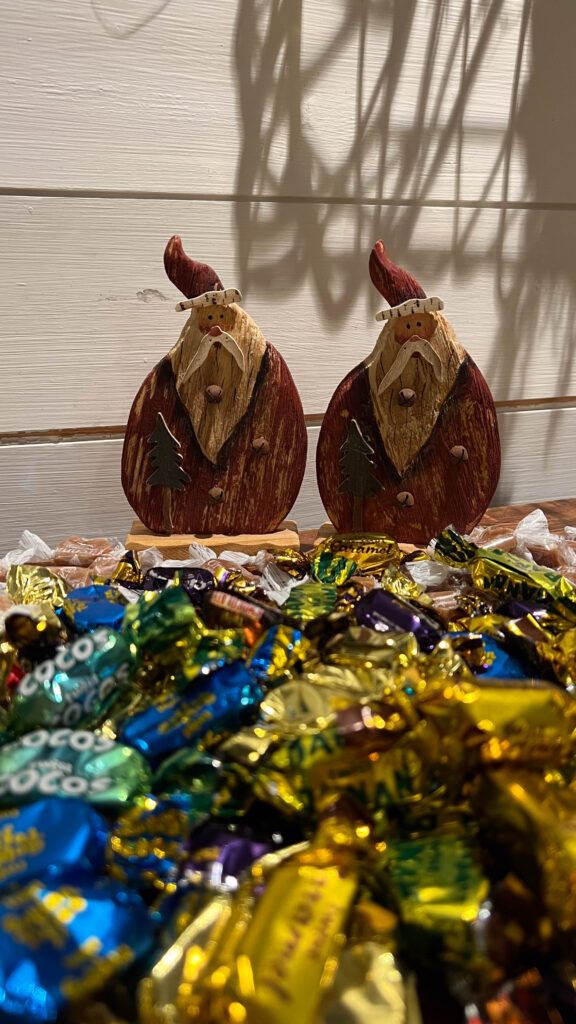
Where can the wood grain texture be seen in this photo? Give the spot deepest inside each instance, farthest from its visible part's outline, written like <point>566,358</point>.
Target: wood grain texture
<point>245,490</point>
<point>60,489</point>
<point>435,490</point>
<point>107,87</point>
<point>86,310</point>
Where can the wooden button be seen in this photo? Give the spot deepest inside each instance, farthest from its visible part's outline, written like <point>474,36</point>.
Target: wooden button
<point>216,495</point>
<point>459,453</point>
<point>406,396</point>
<point>405,498</point>
<point>261,446</point>
<point>213,393</point>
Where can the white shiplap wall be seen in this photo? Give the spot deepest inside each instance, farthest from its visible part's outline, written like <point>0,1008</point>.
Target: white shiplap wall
<point>280,147</point>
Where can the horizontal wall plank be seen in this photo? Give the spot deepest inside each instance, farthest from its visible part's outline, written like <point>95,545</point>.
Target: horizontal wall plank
<point>86,309</point>
<point>74,488</point>
<point>408,99</point>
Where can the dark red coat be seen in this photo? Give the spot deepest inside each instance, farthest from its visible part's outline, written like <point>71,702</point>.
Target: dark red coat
<point>444,491</point>
<point>258,489</point>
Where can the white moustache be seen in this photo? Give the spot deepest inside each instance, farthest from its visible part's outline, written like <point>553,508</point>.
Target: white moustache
<point>407,350</point>
<point>205,347</point>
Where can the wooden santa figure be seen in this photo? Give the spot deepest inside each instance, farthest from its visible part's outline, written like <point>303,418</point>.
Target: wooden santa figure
<point>409,443</point>
<point>216,438</point>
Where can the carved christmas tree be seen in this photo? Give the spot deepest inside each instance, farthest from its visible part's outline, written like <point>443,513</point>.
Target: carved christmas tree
<point>167,463</point>
<point>357,465</point>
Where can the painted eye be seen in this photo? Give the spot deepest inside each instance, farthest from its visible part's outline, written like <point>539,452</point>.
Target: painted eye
<point>221,316</point>
<point>407,327</point>
<point>210,317</point>
<point>419,324</point>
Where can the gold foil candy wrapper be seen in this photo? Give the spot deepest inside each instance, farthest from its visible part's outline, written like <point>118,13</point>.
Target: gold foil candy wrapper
<point>35,584</point>
<point>279,950</point>
<point>33,625</point>
<point>394,579</point>
<point>171,979</point>
<point>372,552</point>
<point>234,580</point>
<point>250,745</point>
<point>363,648</point>
<point>507,574</point>
<point>529,819</point>
<point>479,724</point>
<point>295,563</point>
<point>370,986</point>
<point>128,570</point>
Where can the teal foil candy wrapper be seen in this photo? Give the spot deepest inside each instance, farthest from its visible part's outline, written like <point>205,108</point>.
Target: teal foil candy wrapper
<point>61,943</point>
<point>77,687</point>
<point>68,763</point>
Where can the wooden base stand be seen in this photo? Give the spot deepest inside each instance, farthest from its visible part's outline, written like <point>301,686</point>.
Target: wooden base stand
<point>177,544</point>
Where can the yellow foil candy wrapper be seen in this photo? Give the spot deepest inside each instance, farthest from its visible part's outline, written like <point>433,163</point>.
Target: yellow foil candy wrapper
<point>372,552</point>
<point>279,950</point>
<point>532,724</point>
<point>507,574</point>
<point>35,584</point>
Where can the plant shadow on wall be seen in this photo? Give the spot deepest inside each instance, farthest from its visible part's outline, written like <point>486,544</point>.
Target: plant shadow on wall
<point>124,18</point>
<point>397,156</point>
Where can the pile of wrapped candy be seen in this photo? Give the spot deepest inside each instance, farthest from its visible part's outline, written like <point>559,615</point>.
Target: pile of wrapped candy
<point>324,787</point>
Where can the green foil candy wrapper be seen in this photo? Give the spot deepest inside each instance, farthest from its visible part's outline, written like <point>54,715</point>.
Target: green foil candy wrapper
<point>64,762</point>
<point>439,890</point>
<point>167,635</point>
<point>310,600</point>
<point>75,688</point>
<point>508,575</point>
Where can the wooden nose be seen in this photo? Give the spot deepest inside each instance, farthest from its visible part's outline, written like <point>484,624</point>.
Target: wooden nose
<point>406,396</point>
<point>216,495</point>
<point>213,393</point>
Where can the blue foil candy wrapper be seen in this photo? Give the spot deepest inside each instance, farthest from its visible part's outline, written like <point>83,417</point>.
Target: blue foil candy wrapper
<point>75,688</point>
<point>89,608</point>
<point>196,582</point>
<point>62,943</point>
<point>148,844</point>
<point>71,763</point>
<point>486,656</point>
<point>227,701</point>
<point>386,612</point>
<point>51,836</point>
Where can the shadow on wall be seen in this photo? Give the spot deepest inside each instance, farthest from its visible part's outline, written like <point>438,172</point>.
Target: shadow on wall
<point>395,163</point>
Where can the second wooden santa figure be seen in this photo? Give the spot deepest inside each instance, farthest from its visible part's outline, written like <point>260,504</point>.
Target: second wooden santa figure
<point>409,443</point>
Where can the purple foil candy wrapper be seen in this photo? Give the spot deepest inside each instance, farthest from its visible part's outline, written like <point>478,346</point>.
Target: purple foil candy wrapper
<point>517,609</point>
<point>218,857</point>
<point>196,582</point>
<point>387,612</point>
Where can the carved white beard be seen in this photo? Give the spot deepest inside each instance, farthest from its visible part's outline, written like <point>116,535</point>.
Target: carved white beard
<point>415,345</point>
<point>203,351</point>
<point>404,430</point>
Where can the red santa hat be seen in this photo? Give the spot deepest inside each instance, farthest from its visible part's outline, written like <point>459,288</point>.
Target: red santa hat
<point>399,288</point>
<point>199,283</point>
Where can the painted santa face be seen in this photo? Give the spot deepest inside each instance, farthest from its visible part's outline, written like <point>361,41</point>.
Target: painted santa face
<point>412,370</point>
<point>216,362</point>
